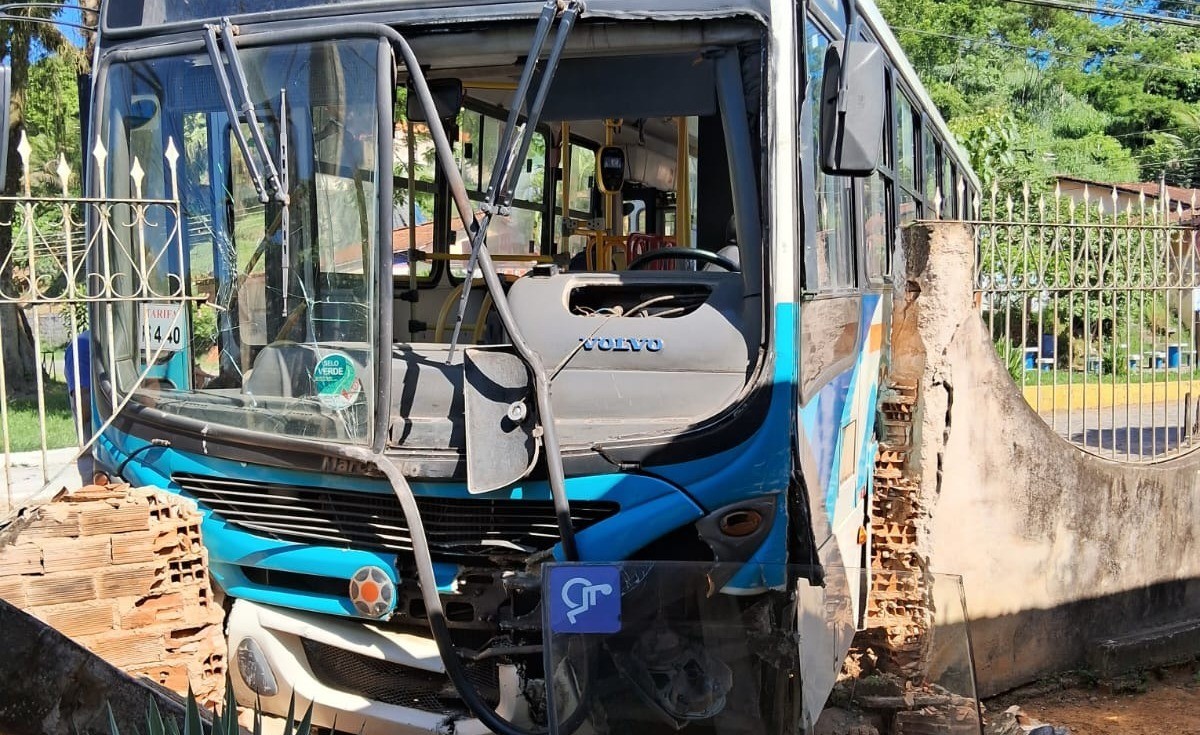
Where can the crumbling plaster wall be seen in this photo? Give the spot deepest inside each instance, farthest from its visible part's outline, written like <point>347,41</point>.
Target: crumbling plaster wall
<point>1057,548</point>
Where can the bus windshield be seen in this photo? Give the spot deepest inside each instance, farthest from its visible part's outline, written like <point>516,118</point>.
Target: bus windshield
<point>297,277</point>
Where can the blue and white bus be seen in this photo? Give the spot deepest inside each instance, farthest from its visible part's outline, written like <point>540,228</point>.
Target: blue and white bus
<point>530,378</point>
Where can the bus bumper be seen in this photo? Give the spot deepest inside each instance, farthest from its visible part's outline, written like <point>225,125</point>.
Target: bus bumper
<point>285,644</point>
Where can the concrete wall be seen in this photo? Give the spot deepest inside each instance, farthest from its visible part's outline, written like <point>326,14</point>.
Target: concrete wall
<point>1058,549</point>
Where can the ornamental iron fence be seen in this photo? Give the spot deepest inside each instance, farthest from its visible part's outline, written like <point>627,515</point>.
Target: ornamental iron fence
<point>71,259</point>
<point>1091,298</point>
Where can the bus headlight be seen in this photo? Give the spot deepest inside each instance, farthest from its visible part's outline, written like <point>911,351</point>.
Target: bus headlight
<point>254,669</point>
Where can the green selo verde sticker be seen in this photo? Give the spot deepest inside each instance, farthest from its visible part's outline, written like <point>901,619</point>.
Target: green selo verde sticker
<point>336,381</point>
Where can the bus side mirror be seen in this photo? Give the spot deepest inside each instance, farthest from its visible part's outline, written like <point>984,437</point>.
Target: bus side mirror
<point>447,98</point>
<point>5,120</point>
<point>853,105</point>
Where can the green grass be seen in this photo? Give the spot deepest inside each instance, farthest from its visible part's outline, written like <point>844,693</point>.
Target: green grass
<point>24,435</point>
<point>1076,377</point>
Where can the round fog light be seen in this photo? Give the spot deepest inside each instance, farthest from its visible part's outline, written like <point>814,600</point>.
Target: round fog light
<point>256,672</point>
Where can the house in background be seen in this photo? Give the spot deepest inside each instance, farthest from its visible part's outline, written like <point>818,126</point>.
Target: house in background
<point>1183,204</point>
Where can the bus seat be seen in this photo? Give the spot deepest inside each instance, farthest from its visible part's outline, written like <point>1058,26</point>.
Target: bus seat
<point>641,243</point>
<point>479,306</point>
<point>281,369</point>
<point>607,252</point>
<point>732,253</point>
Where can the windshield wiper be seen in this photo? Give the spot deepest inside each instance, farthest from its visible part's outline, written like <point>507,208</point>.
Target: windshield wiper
<point>513,149</point>
<point>245,113</point>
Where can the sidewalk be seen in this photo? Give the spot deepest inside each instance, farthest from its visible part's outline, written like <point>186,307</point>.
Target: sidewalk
<point>25,472</point>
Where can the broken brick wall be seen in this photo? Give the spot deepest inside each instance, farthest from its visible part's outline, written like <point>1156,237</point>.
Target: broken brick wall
<point>897,614</point>
<point>1057,549</point>
<point>122,572</point>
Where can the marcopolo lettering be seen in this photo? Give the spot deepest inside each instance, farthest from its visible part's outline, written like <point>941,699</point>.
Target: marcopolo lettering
<point>621,344</point>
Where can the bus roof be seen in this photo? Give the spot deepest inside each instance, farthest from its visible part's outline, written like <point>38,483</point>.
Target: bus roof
<point>136,17</point>
<point>139,17</point>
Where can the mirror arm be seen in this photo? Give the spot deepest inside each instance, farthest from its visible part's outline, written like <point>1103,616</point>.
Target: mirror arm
<point>853,30</point>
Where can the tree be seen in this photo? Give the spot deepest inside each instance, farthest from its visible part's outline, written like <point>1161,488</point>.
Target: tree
<point>1091,96</point>
<point>19,41</point>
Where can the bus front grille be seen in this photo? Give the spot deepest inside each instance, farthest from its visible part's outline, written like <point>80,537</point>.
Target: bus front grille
<point>457,528</point>
<point>393,683</point>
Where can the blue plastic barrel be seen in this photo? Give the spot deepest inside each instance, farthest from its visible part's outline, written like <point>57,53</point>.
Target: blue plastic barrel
<point>1048,344</point>
<point>1173,356</point>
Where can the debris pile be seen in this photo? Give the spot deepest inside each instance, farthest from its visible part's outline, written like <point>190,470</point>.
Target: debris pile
<point>122,572</point>
<point>1013,721</point>
<point>887,671</point>
<point>898,616</point>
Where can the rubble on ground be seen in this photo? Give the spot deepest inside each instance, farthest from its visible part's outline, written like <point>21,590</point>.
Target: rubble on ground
<point>122,572</point>
<point>1013,721</point>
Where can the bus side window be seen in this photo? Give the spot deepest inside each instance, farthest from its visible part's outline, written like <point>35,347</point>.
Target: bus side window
<point>421,231</point>
<point>878,220</point>
<point>906,150</point>
<point>834,247</point>
<point>946,185</point>
<point>929,169</point>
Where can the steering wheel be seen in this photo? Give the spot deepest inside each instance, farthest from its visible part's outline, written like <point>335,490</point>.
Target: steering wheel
<point>704,256</point>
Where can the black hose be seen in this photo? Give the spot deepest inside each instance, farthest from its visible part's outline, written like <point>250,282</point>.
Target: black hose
<point>562,508</point>
<point>159,443</point>
<point>437,616</point>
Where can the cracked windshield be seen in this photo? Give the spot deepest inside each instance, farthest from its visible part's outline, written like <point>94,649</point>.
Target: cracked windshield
<point>283,341</point>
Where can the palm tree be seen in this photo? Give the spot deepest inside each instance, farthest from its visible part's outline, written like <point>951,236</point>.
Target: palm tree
<point>18,38</point>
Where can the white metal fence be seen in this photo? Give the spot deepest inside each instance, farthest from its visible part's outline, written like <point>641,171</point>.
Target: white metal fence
<point>1092,300</point>
<point>73,258</point>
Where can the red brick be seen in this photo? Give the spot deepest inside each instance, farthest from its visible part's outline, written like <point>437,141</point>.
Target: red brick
<point>133,548</point>
<point>73,554</point>
<point>20,559</point>
<point>135,580</point>
<point>127,650</point>
<point>153,610</point>
<point>53,521</point>
<point>60,588</point>
<point>101,518</point>
<point>80,618</point>
<point>12,589</point>
<point>173,676</point>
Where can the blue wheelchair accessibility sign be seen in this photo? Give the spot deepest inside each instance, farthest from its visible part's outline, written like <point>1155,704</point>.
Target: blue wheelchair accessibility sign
<point>585,599</point>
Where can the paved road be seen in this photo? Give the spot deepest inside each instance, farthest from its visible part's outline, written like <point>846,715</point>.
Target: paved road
<point>1137,432</point>
<point>26,483</point>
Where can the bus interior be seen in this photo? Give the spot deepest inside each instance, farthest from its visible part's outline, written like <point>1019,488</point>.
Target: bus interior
<point>633,287</point>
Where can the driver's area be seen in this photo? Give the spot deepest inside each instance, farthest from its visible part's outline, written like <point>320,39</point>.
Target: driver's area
<point>621,256</point>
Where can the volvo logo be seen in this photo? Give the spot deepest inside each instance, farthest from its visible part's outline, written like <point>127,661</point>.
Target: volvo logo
<point>621,344</point>
<point>372,592</point>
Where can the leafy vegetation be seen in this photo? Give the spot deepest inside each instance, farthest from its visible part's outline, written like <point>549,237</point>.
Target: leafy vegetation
<point>1013,359</point>
<point>224,722</point>
<point>40,57</point>
<point>1032,92</point>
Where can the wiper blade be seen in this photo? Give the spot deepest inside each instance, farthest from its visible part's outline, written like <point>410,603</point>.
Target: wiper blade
<point>513,149</point>
<point>256,129</point>
<point>245,112</point>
